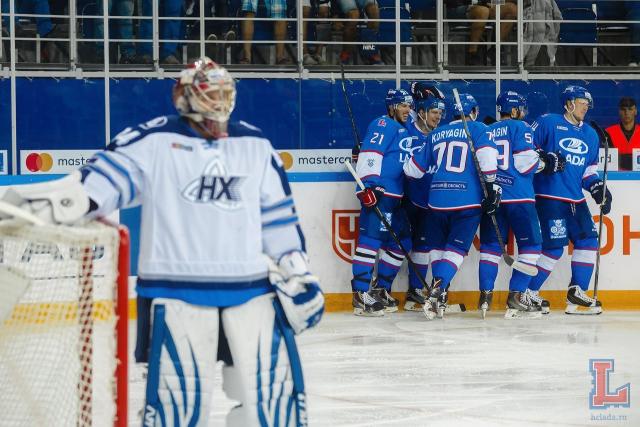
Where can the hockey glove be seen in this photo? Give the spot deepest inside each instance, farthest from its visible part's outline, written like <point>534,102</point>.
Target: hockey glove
<point>597,191</point>
<point>298,291</point>
<point>551,162</point>
<point>423,91</point>
<point>370,196</point>
<point>492,201</point>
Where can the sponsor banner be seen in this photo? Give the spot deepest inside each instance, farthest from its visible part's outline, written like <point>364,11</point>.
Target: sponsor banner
<point>4,162</point>
<point>53,161</point>
<point>635,157</point>
<point>612,162</point>
<point>329,215</point>
<point>315,160</point>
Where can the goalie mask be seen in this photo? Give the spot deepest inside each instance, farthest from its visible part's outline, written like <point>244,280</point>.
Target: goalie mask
<point>206,93</point>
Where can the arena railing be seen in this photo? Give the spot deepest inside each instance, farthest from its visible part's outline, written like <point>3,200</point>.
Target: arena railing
<point>432,47</point>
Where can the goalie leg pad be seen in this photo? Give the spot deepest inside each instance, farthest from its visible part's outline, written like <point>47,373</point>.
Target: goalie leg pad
<point>266,376</point>
<point>181,364</point>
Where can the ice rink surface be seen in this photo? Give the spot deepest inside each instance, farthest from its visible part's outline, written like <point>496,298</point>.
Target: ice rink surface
<point>402,370</point>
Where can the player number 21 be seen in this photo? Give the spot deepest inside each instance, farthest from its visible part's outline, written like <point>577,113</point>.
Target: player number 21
<point>377,138</point>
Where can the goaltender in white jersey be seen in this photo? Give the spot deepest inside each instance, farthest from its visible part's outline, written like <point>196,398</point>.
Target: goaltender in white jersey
<point>214,199</point>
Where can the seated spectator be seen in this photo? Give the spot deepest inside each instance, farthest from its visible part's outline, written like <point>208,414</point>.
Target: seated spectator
<point>479,11</point>
<point>625,136</point>
<point>213,29</point>
<point>119,28</point>
<point>624,11</point>
<point>351,10</point>
<point>44,25</point>
<point>170,29</point>
<point>276,9</point>
<point>323,8</point>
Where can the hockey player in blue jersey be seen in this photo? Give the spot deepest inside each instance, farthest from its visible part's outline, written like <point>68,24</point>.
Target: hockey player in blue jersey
<point>562,208</point>
<point>385,148</point>
<point>215,200</point>
<point>518,161</point>
<point>429,110</point>
<point>455,195</point>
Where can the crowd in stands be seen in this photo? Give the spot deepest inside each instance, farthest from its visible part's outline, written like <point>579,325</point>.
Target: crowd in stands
<point>234,31</point>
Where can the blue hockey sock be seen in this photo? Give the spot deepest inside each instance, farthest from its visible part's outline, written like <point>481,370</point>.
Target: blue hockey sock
<point>519,281</point>
<point>363,262</point>
<point>583,261</point>
<point>488,271</point>
<point>420,258</point>
<point>445,270</point>
<point>546,263</point>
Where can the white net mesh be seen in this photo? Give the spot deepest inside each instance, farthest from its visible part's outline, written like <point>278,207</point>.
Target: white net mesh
<point>58,346</point>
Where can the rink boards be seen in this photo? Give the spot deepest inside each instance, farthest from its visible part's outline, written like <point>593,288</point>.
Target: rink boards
<point>329,213</point>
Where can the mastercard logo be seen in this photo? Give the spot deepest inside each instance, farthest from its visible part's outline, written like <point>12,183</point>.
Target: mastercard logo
<point>39,162</point>
<point>287,159</point>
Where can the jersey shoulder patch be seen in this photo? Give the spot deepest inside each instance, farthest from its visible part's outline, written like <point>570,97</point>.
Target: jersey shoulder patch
<point>133,134</point>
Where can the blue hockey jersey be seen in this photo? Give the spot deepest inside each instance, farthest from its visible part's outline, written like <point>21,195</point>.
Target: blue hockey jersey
<point>455,184</point>
<point>579,145</point>
<point>517,160</point>
<point>417,190</point>
<point>386,147</point>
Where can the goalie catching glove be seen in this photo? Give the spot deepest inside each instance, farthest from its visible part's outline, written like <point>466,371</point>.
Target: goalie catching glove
<point>298,291</point>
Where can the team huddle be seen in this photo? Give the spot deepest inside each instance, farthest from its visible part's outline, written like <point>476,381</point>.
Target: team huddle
<point>433,186</point>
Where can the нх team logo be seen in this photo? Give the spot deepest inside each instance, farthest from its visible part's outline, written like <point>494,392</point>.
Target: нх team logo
<point>600,397</point>
<point>344,230</point>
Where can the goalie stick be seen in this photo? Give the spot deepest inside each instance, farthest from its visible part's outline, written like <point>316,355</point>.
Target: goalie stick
<point>454,308</point>
<point>529,270</point>
<point>604,140</point>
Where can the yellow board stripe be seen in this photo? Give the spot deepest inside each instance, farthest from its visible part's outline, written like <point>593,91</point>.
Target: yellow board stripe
<point>56,313</point>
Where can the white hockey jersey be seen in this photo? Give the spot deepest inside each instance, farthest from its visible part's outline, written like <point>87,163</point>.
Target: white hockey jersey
<point>210,208</point>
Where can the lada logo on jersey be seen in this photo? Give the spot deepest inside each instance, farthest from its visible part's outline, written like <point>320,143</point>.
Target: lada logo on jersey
<point>215,186</point>
<point>574,145</point>
<point>344,230</point>
<point>406,145</point>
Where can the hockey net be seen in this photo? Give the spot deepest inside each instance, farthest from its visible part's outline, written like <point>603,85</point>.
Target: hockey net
<point>63,348</point>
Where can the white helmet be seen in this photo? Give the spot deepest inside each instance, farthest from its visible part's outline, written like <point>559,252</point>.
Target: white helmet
<point>208,92</point>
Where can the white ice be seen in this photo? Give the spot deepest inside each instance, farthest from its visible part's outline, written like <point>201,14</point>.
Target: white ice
<point>402,370</point>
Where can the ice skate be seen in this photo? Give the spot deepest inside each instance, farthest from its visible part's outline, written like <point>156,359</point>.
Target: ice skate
<point>389,302</point>
<point>578,302</point>
<point>415,300</point>
<point>484,303</point>
<point>437,303</point>
<point>535,297</point>
<point>520,306</point>
<point>366,304</point>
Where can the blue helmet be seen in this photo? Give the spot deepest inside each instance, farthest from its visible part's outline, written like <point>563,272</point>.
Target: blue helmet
<point>430,103</point>
<point>572,92</point>
<point>510,99</point>
<point>468,104</point>
<point>397,96</point>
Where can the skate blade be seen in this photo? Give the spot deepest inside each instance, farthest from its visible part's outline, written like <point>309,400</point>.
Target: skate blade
<point>483,311</point>
<point>364,313</point>
<point>441,311</point>
<point>582,311</point>
<point>412,306</point>
<point>391,309</point>
<point>545,310</point>
<point>512,313</point>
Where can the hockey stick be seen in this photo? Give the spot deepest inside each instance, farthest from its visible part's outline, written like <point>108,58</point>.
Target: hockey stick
<point>394,236</point>
<point>356,147</point>
<point>529,270</point>
<point>604,139</point>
